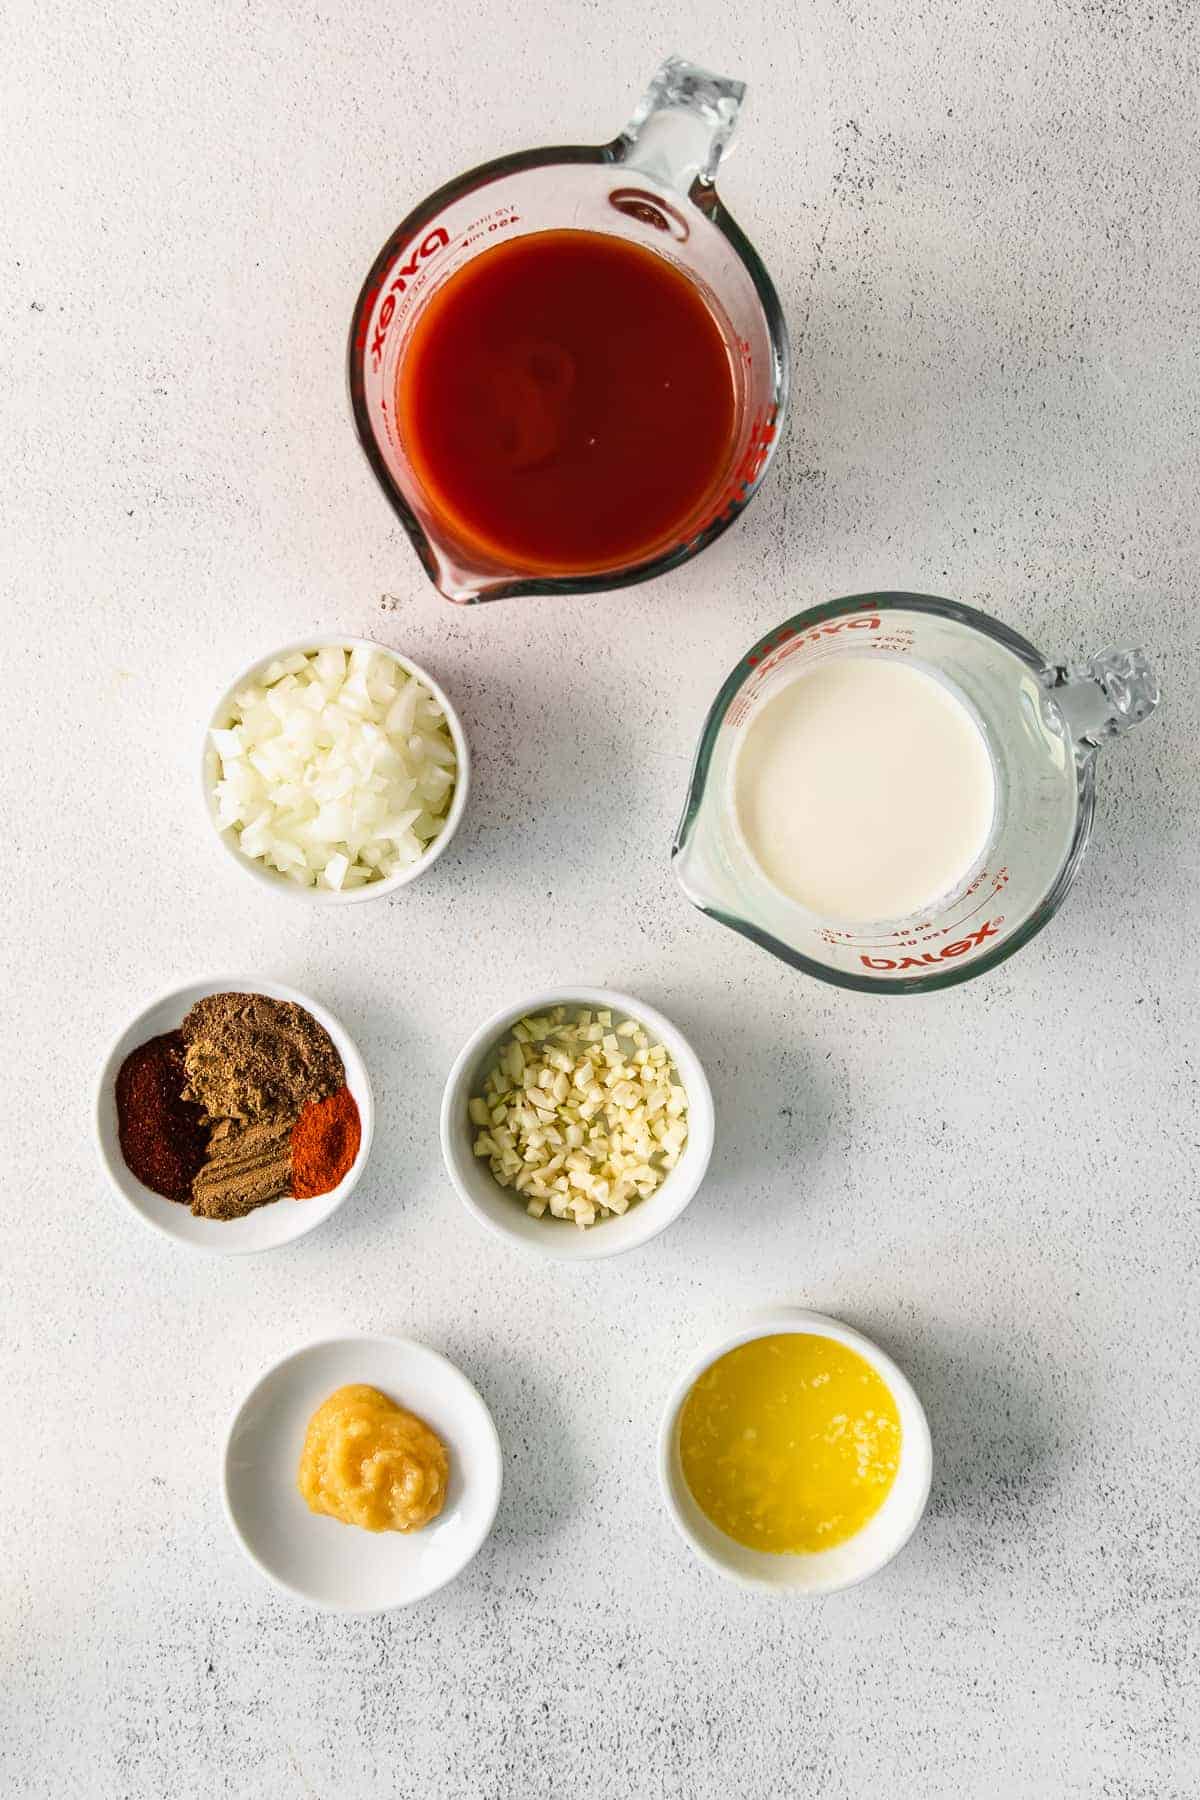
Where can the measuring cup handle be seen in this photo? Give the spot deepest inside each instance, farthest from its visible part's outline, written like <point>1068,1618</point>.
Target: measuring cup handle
<point>1105,697</point>
<point>682,126</point>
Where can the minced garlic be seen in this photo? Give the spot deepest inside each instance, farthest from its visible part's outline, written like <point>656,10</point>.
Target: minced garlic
<point>580,1117</point>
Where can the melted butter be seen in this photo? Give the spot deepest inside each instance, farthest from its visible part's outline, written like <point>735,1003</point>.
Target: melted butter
<point>368,1462</point>
<point>790,1443</point>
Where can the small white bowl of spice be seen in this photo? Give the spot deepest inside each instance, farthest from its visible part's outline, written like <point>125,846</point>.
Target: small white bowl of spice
<point>335,769</point>
<point>234,1115</point>
<point>577,1124</point>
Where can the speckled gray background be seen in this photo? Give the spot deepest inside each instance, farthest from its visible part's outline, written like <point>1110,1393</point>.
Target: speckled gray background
<point>983,220</point>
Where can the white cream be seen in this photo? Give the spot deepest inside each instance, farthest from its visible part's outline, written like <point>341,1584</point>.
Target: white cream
<point>864,789</point>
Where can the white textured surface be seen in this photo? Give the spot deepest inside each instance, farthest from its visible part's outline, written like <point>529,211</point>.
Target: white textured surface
<point>983,222</point>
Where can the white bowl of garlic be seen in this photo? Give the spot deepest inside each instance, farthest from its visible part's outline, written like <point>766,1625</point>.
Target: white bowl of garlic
<point>335,769</point>
<point>577,1124</point>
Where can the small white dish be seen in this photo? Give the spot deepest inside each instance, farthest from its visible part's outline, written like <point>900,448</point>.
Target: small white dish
<point>222,716</point>
<point>501,1210</point>
<point>317,1559</point>
<point>824,1571</point>
<point>280,1221</point>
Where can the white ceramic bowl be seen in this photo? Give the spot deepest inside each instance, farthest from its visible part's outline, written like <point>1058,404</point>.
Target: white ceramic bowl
<point>318,1559</point>
<point>501,1210</point>
<point>825,1571</point>
<point>222,716</point>
<point>268,1226</point>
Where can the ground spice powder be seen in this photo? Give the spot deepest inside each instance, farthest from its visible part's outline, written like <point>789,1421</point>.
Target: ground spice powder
<point>164,1138</point>
<point>247,1166</point>
<point>250,1057</point>
<point>325,1141</point>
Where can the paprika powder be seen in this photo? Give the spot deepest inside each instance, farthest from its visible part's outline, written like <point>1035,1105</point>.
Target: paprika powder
<point>325,1141</point>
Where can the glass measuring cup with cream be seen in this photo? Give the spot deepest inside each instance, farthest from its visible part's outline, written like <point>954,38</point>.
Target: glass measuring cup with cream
<point>894,792</point>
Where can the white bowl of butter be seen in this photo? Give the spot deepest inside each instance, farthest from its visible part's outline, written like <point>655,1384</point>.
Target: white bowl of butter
<point>795,1393</point>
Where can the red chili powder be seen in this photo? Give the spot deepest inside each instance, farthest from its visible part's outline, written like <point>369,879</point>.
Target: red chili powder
<point>325,1140</point>
<point>163,1136</point>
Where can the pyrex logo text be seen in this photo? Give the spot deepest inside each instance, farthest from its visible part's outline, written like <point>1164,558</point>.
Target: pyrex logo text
<point>435,240</point>
<point>931,958</point>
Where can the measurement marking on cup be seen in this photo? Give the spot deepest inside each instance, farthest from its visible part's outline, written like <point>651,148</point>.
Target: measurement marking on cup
<point>924,934</point>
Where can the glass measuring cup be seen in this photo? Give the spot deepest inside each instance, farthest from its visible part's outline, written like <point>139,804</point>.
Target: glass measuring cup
<point>652,185</point>
<point>1043,721</point>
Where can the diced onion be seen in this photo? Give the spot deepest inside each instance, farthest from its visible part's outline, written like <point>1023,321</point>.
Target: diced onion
<point>335,769</point>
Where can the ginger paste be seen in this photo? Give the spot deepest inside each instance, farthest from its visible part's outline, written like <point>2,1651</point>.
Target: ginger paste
<point>368,1462</point>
